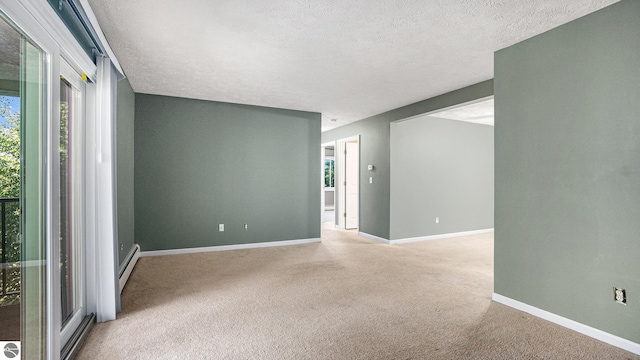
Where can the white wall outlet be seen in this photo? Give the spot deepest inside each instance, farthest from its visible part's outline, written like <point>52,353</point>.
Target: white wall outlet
<point>620,295</point>
<point>370,179</point>
<point>220,227</point>
<point>246,226</point>
<point>437,220</point>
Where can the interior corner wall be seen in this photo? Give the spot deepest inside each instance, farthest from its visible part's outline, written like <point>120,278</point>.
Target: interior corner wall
<point>203,163</point>
<point>125,169</point>
<point>567,143</point>
<point>375,150</point>
<point>440,168</point>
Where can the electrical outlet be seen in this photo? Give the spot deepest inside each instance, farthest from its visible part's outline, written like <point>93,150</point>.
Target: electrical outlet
<point>220,227</point>
<point>620,295</point>
<point>246,226</point>
<point>437,220</point>
<point>121,247</point>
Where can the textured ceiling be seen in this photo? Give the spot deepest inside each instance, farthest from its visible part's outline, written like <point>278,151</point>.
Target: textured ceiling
<point>348,59</point>
<point>9,52</point>
<point>480,112</point>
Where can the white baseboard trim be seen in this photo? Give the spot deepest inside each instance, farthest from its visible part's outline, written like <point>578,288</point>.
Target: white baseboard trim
<point>373,237</point>
<point>228,247</point>
<point>440,236</point>
<point>132,259</point>
<point>570,324</point>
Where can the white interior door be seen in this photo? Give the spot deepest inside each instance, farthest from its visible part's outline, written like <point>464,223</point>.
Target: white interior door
<point>341,182</point>
<point>351,187</point>
<point>322,184</point>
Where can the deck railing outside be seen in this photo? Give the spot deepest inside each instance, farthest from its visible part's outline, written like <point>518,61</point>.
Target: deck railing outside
<point>10,246</point>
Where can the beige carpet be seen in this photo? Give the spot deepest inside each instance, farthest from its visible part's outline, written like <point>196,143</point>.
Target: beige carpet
<point>344,298</point>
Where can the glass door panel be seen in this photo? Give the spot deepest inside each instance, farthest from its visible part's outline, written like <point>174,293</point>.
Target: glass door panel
<point>70,212</point>
<point>67,299</point>
<point>22,180</point>
<point>34,259</point>
<point>10,183</point>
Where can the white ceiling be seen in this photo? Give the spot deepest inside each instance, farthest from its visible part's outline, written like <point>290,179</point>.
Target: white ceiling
<point>348,59</point>
<point>480,112</point>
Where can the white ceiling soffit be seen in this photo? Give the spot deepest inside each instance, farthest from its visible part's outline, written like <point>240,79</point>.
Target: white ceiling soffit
<point>478,113</point>
<point>347,59</point>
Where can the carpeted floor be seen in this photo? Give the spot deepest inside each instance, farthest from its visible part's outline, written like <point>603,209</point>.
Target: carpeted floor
<point>344,298</point>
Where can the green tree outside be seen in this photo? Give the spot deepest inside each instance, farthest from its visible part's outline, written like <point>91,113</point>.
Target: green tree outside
<point>10,188</point>
<point>9,150</point>
<point>329,177</point>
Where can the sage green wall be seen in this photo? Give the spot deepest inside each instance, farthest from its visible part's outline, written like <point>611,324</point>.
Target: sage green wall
<point>124,171</point>
<point>375,150</point>
<point>440,168</point>
<point>567,144</point>
<point>201,163</point>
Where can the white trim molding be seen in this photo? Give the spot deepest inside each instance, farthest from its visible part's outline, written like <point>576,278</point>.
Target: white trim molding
<point>569,324</point>
<point>440,236</point>
<point>373,237</point>
<point>132,259</point>
<point>228,247</point>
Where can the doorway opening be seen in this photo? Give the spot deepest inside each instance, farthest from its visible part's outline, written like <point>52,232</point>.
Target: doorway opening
<point>328,184</point>
<point>442,172</point>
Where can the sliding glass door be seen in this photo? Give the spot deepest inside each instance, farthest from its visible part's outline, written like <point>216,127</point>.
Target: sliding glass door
<point>71,158</point>
<point>22,186</point>
<point>42,196</point>
<point>57,171</point>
